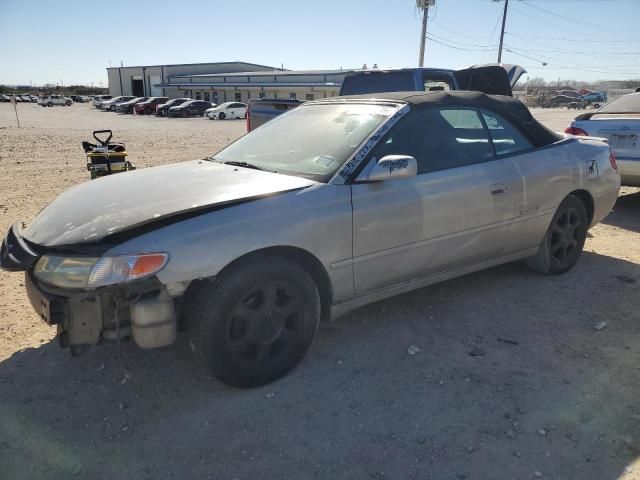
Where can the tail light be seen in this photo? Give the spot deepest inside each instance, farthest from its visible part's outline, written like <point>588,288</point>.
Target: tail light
<point>575,131</point>
<point>248,117</point>
<point>612,160</point>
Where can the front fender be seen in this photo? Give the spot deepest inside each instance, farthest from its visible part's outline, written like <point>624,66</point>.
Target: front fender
<point>316,219</point>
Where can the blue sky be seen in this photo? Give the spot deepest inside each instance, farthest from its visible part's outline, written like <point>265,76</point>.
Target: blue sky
<point>71,41</point>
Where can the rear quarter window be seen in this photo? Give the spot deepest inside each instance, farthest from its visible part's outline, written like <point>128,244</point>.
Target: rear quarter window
<point>507,139</point>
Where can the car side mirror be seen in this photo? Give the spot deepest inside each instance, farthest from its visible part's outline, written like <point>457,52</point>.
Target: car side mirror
<point>389,167</point>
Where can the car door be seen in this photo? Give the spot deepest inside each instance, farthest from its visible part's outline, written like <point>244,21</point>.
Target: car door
<point>231,110</point>
<point>548,174</point>
<point>457,211</point>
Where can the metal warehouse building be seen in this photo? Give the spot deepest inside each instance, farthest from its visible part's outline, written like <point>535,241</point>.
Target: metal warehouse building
<point>224,81</point>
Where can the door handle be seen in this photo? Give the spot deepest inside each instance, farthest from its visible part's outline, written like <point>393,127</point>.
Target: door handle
<point>499,188</point>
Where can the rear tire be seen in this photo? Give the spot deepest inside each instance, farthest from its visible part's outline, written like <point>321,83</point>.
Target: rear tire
<point>564,240</point>
<point>255,322</point>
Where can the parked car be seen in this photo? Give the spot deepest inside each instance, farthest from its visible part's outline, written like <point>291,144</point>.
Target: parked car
<point>127,107</point>
<point>5,98</point>
<point>51,100</point>
<point>149,106</point>
<point>111,104</point>
<point>26,98</point>
<point>227,110</point>
<point>339,203</point>
<point>493,78</point>
<point>189,109</point>
<point>594,97</point>
<point>163,108</point>
<point>619,122</point>
<point>560,100</point>
<point>79,98</point>
<point>97,99</point>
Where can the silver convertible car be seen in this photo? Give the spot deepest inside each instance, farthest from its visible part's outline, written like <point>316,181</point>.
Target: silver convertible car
<point>333,205</point>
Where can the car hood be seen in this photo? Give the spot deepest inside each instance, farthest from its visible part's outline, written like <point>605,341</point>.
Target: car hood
<point>92,212</point>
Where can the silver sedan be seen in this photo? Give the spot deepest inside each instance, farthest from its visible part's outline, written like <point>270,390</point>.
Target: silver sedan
<point>333,205</point>
<point>619,123</point>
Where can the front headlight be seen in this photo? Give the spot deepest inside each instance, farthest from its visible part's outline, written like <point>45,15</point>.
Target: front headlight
<point>65,272</point>
<point>91,272</point>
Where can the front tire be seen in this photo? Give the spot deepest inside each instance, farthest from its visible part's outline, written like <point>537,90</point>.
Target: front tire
<point>564,240</point>
<point>221,116</point>
<point>255,322</point>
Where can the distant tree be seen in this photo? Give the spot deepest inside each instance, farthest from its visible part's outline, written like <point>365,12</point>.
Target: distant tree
<point>536,82</point>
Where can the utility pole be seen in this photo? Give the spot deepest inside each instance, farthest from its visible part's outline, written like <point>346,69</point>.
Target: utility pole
<point>424,6</point>
<point>504,20</point>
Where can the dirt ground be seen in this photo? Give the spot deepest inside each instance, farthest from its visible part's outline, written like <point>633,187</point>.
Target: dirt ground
<point>515,375</point>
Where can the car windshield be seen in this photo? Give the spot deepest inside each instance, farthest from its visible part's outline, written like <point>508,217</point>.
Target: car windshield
<point>311,141</point>
<point>624,104</point>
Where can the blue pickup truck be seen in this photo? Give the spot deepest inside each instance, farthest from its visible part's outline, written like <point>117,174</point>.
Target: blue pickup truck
<point>493,78</point>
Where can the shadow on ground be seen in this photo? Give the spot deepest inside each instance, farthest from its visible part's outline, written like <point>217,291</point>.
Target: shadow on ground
<point>511,379</point>
<point>626,212</point>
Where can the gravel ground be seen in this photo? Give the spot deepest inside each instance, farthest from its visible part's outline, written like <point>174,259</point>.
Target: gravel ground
<point>502,374</point>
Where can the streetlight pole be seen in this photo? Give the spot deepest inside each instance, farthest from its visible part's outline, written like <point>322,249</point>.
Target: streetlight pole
<point>504,20</point>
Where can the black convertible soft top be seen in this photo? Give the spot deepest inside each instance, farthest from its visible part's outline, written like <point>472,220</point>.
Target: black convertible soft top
<point>513,110</point>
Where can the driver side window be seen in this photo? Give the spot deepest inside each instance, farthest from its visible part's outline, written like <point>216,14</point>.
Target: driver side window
<point>439,138</point>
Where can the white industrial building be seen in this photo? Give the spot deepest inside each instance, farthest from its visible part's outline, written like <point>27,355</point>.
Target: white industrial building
<point>224,81</point>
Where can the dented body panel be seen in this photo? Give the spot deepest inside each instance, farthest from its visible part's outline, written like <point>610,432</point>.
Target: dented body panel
<point>92,212</point>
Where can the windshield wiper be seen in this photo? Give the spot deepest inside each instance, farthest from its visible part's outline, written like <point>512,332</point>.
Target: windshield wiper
<point>243,164</point>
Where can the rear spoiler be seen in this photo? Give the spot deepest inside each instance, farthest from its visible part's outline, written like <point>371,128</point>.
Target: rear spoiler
<point>587,116</point>
<point>585,137</point>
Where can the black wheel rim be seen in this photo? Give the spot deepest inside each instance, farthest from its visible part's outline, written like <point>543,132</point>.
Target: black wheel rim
<point>564,243</point>
<point>267,324</point>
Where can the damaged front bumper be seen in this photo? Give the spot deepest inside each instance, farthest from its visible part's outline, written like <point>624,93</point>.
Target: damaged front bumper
<point>142,308</point>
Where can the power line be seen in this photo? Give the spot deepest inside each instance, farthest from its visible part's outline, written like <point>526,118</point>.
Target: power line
<point>590,52</point>
<point>585,68</point>
<point>563,28</point>
<point>572,63</point>
<point>461,34</point>
<point>581,22</point>
<point>458,48</point>
<point>461,43</point>
<point>566,39</point>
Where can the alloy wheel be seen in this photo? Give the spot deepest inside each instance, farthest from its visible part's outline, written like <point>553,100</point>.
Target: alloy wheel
<point>267,324</point>
<point>565,236</point>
